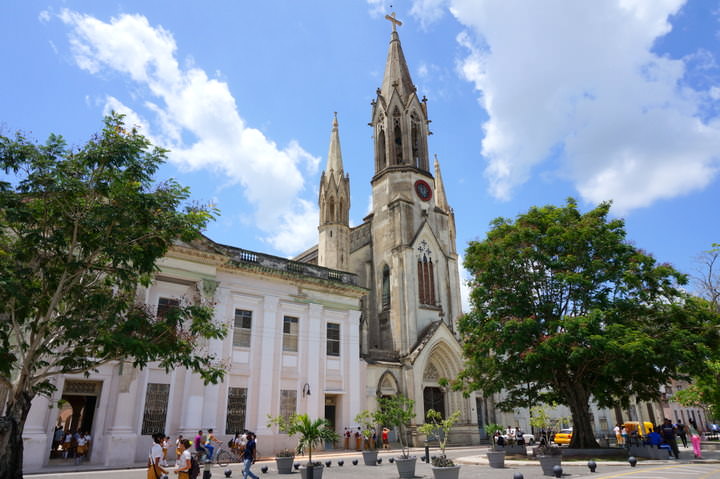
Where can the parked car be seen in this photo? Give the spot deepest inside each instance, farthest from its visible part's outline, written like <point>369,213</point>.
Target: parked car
<point>563,437</point>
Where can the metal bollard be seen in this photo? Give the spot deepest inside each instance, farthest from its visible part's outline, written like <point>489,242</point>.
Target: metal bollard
<point>518,475</point>
<point>632,460</point>
<point>557,470</point>
<point>592,465</point>
<point>206,470</point>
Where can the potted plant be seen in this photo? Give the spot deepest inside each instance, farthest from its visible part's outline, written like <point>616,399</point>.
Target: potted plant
<point>368,421</point>
<point>496,454</point>
<point>285,458</point>
<point>548,455</point>
<point>398,411</point>
<point>310,434</point>
<point>442,466</point>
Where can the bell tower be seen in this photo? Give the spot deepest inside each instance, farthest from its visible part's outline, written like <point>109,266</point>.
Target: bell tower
<point>334,202</point>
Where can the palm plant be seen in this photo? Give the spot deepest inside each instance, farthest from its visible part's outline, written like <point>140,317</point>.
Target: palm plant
<point>311,432</point>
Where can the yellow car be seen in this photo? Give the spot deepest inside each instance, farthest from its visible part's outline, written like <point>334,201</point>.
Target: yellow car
<point>563,437</point>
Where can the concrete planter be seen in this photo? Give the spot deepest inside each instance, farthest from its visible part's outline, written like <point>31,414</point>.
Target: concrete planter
<point>284,464</point>
<point>311,472</point>
<point>406,467</point>
<point>496,459</point>
<point>548,462</point>
<point>515,449</point>
<point>452,472</point>
<point>370,458</point>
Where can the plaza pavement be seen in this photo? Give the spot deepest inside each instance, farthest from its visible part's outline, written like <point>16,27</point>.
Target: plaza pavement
<point>474,465</point>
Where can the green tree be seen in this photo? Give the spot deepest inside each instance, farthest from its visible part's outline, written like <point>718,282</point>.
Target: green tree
<point>397,411</point>
<point>80,230</point>
<point>564,309</point>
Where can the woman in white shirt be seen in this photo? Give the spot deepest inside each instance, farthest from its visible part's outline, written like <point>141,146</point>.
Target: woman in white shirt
<point>155,470</point>
<point>184,461</point>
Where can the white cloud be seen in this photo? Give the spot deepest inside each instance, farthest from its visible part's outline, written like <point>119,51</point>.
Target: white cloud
<point>186,103</point>
<point>568,78</point>
<point>428,11</point>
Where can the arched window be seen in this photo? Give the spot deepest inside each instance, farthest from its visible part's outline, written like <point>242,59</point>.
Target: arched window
<point>386,288</point>
<point>426,275</point>
<point>415,142</point>
<point>330,216</point>
<point>382,162</point>
<point>398,142</point>
<point>397,138</point>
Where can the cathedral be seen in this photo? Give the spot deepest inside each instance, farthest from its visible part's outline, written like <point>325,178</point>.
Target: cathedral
<point>404,253</point>
<point>369,311</point>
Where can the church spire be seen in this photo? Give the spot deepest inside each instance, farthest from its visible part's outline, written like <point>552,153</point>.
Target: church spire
<point>440,198</point>
<point>334,202</point>
<point>399,118</point>
<point>334,159</point>
<point>397,74</point>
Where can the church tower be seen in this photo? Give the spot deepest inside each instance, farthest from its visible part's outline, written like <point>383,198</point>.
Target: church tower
<point>334,202</point>
<point>413,244</point>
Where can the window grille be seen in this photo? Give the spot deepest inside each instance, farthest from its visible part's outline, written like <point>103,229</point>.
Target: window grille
<point>242,329</point>
<point>156,401</point>
<point>333,339</point>
<point>288,402</point>
<point>290,334</point>
<point>237,404</point>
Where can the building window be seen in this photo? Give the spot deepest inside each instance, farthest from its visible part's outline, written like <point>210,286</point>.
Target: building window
<point>426,280</point>
<point>290,334</point>
<point>242,329</point>
<point>333,339</point>
<point>156,401</point>
<point>237,402</point>
<point>288,402</point>
<point>165,305</point>
<point>386,288</point>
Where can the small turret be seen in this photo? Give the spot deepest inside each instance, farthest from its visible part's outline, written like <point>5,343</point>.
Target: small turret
<point>334,203</point>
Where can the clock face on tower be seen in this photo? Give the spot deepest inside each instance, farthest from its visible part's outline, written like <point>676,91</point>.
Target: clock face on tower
<point>422,189</point>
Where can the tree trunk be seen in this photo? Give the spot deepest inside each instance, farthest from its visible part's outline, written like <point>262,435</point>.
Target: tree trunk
<point>11,431</point>
<point>583,436</point>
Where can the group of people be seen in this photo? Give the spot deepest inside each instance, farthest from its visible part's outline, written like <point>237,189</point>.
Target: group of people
<point>186,467</point>
<point>665,435</point>
<point>369,443</point>
<point>71,444</point>
<point>512,436</point>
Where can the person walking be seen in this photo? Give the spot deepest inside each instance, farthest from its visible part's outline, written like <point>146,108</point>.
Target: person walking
<point>155,469</point>
<point>682,432</point>
<point>695,440</point>
<point>669,432</point>
<point>184,460</point>
<point>249,456</point>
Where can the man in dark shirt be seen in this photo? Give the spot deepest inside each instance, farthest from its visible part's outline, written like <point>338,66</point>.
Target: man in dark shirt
<point>668,433</point>
<point>249,456</point>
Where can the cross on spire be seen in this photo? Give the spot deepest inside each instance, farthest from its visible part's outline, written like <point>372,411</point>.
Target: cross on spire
<point>393,20</point>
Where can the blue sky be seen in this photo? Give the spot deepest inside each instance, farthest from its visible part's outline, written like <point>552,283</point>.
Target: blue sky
<point>530,102</point>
